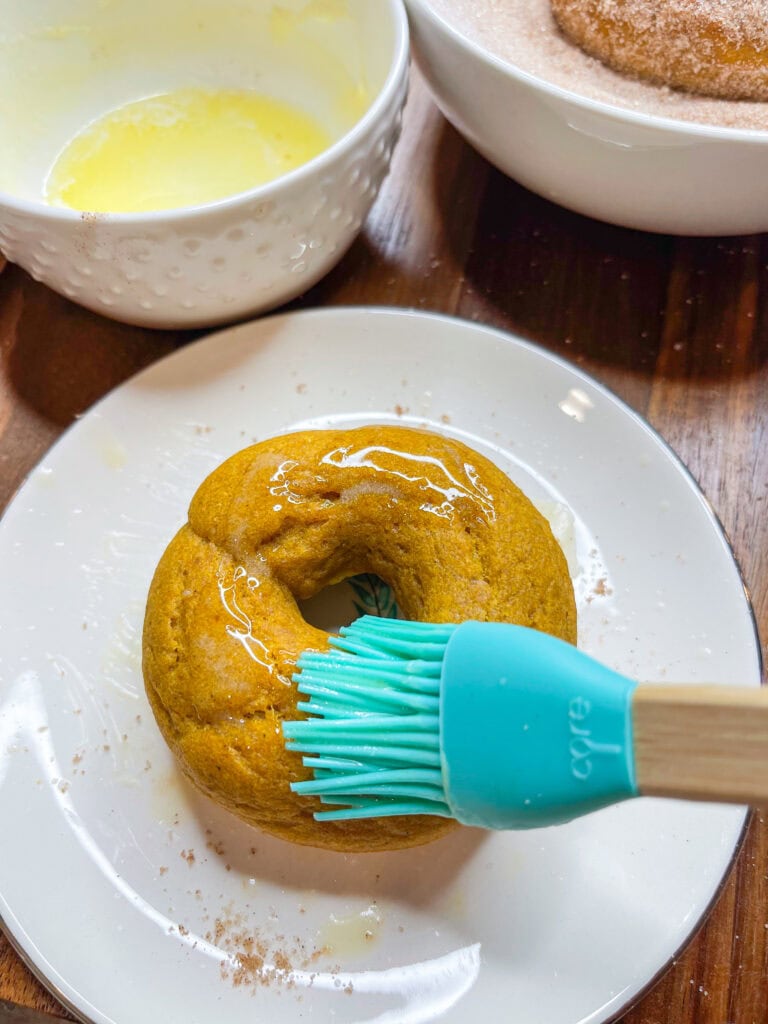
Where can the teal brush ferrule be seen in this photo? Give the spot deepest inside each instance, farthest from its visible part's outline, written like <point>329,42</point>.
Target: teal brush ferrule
<point>532,731</point>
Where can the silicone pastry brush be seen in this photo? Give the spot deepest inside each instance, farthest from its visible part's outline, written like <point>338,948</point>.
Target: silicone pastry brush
<point>504,727</point>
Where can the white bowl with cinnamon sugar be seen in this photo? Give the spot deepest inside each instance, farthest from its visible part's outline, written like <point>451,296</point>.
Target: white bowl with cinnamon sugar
<point>618,147</point>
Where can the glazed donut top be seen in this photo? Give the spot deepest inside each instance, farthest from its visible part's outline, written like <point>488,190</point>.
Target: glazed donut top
<point>279,522</point>
<point>713,47</point>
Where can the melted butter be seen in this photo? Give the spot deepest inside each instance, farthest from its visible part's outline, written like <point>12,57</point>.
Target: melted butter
<point>427,471</point>
<point>396,473</point>
<point>180,149</point>
<point>351,934</point>
<point>241,627</point>
<point>283,22</point>
<point>282,484</point>
<point>352,94</point>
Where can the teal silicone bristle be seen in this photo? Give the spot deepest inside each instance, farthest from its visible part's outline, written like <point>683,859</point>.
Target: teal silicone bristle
<point>374,738</point>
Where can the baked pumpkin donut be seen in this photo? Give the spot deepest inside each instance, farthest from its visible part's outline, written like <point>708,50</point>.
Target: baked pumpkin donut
<point>282,520</point>
<point>713,47</point>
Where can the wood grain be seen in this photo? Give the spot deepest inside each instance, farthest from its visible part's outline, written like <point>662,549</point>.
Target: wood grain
<point>702,742</point>
<point>677,327</point>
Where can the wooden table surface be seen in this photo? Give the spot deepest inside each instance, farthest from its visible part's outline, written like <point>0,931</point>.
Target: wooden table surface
<point>678,327</point>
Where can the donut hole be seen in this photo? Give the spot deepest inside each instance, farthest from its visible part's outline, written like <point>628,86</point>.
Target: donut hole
<point>341,603</point>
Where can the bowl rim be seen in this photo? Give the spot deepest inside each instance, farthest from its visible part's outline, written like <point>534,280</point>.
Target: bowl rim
<point>722,133</point>
<point>398,69</point>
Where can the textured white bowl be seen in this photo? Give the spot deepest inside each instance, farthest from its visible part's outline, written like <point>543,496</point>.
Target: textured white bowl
<point>619,166</point>
<point>66,63</point>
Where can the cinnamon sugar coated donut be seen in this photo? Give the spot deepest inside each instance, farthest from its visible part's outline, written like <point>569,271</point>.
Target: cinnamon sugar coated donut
<point>713,47</point>
<point>525,34</point>
<point>277,523</point>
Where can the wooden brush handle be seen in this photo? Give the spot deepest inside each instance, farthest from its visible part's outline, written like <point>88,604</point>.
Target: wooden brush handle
<point>702,742</point>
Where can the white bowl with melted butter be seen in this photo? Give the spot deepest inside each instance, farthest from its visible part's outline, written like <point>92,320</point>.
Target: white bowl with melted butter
<point>189,162</point>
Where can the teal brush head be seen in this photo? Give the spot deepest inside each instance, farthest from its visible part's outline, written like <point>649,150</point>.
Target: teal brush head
<point>493,724</point>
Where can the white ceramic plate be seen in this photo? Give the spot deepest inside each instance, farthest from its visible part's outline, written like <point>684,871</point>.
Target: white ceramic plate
<point>138,900</point>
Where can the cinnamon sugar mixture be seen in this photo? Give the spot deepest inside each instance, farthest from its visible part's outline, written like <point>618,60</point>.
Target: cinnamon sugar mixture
<point>260,959</point>
<point>524,33</point>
